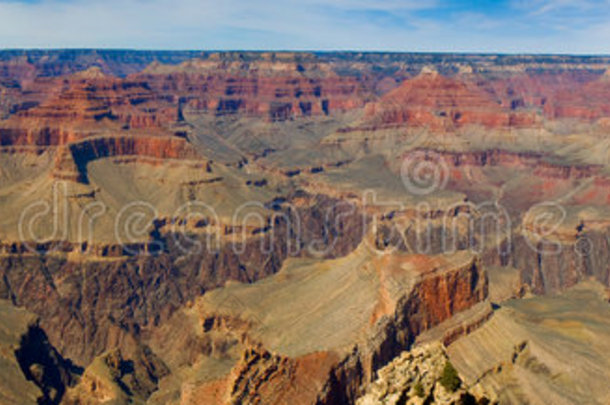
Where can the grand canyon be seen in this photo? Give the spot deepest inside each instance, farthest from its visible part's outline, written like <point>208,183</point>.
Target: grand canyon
<point>307,228</point>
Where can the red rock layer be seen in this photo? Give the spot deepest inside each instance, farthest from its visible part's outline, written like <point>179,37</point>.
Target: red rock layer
<point>87,102</point>
<point>533,161</point>
<point>577,94</point>
<point>589,103</point>
<point>554,180</point>
<point>275,91</point>
<point>92,105</point>
<point>71,161</point>
<point>442,103</point>
<point>534,89</point>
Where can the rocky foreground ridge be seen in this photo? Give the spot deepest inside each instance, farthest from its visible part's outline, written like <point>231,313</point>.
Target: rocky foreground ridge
<point>423,375</point>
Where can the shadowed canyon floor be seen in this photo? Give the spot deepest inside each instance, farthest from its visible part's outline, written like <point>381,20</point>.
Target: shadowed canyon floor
<point>303,228</point>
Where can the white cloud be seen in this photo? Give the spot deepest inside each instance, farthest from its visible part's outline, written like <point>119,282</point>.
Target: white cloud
<point>535,26</point>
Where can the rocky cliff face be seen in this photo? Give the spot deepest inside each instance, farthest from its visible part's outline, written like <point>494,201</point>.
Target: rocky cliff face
<point>329,374</point>
<point>434,299</point>
<point>92,304</point>
<point>72,162</point>
<point>275,91</point>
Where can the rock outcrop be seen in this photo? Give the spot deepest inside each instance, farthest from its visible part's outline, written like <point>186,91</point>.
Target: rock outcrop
<point>423,375</point>
<point>113,377</point>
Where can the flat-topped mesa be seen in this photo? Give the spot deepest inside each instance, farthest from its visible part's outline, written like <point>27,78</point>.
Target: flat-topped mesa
<point>275,90</point>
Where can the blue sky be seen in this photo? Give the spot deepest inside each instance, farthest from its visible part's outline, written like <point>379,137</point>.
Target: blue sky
<point>512,26</point>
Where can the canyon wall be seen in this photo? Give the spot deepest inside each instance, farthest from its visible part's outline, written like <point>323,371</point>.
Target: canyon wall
<point>511,132</point>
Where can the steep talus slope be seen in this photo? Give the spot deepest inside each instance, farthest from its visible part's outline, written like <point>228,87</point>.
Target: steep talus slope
<point>541,349</point>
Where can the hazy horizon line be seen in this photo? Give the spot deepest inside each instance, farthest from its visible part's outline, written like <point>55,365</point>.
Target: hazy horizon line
<point>303,51</point>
